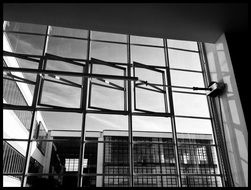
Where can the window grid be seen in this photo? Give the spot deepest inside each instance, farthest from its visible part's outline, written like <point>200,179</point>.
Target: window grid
<point>200,150</point>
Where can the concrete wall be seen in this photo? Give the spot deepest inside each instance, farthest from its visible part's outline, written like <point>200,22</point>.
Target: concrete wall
<point>236,134</point>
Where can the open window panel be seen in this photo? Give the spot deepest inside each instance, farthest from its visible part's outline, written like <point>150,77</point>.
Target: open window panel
<point>150,90</point>
<point>58,88</point>
<point>107,93</point>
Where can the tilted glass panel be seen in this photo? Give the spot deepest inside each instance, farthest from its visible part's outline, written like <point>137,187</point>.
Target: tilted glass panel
<point>107,36</point>
<point>147,100</point>
<point>106,98</point>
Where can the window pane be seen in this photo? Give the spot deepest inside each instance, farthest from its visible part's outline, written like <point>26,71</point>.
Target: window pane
<point>106,36</point>
<point>61,31</point>
<point>148,55</point>
<point>190,105</point>
<point>188,45</point>
<point>25,27</point>
<point>70,48</point>
<point>109,52</point>
<point>146,40</point>
<point>149,100</point>
<point>60,95</point>
<point>23,43</point>
<point>107,98</point>
<point>186,79</point>
<point>184,60</point>
<point>63,66</point>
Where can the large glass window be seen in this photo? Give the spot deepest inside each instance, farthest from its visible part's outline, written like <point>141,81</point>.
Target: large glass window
<point>94,109</point>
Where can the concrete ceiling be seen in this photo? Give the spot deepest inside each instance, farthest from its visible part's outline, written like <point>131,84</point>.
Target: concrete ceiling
<point>200,22</point>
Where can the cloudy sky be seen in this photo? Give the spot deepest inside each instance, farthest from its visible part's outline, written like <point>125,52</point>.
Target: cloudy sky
<point>63,95</point>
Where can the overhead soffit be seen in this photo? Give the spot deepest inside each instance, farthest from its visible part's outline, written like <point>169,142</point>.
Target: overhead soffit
<point>198,22</point>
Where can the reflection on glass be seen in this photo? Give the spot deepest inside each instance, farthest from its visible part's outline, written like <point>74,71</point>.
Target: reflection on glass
<point>106,36</point>
<point>160,125</point>
<point>181,44</point>
<point>20,63</point>
<point>13,160</point>
<point>63,66</point>
<point>146,40</point>
<point>193,126</point>
<point>24,43</point>
<point>25,27</point>
<point>16,124</point>
<point>109,52</point>
<point>187,79</point>
<point>101,122</point>
<point>60,95</point>
<point>61,31</point>
<point>148,55</point>
<point>190,105</point>
<point>61,120</point>
<point>184,60</point>
<point>70,48</point>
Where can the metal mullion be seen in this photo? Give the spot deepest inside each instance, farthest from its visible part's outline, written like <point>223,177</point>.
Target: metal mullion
<point>130,128</point>
<point>107,63</point>
<point>111,83</point>
<point>186,70</point>
<point>22,56</point>
<point>187,92</point>
<point>52,57</point>
<point>102,111</point>
<point>158,91</point>
<point>172,114</point>
<point>67,84</point>
<point>40,71</point>
<point>98,84</point>
<point>111,42</point>
<point>187,50</point>
<point>67,37</point>
<point>145,113</point>
<point>193,117</point>
<point>27,33</point>
<point>17,107</point>
<point>34,104</point>
<point>215,119</point>
<point>23,80</point>
<point>83,102</point>
<point>147,45</point>
<point>57,109</point>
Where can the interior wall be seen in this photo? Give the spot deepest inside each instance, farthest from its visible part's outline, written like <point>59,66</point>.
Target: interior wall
<point>236,133</point>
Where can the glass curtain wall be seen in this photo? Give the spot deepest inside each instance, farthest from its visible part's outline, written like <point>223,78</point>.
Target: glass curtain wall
<point>92,109</point>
